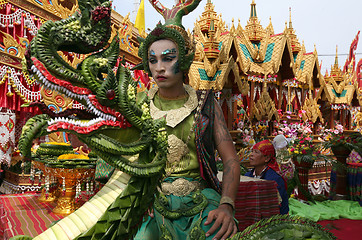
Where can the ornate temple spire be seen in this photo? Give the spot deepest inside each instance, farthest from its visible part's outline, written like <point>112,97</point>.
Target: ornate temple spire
<point>291,33</point>
<point>211,45</point>
<point>336,58</point>
<point>253,10</point>
<point>253,29</point>
<point>270,27</point>
<point>336,72</point>
<point>207,31</point>
<point>290,17</point>
<point>208,14</point>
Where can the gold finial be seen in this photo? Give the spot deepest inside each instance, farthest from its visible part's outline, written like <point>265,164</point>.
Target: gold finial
<point>336,59</point>
<point>253,10</point>
<point>290,17</point>
<point>212,25</point>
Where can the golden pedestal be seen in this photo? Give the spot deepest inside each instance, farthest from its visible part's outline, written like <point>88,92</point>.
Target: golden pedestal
<point>66,202</point>
<point>52,195</point>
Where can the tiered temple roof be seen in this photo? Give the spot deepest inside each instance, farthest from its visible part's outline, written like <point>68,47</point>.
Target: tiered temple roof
<point>340,87</point>
<point>254,61</point>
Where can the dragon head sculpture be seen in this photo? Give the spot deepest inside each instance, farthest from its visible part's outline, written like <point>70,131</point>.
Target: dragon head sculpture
<point>115,123</point>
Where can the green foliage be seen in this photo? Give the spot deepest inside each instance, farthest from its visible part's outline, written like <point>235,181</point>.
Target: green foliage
<point>21,237</point>
<point>284,227</point>
<point>123,216</point>
<point>243,170</point>
<point>21,167</point>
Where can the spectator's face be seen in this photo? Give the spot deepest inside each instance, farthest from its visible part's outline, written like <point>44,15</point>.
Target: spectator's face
<point>164,65</point>
<point>257,159</point>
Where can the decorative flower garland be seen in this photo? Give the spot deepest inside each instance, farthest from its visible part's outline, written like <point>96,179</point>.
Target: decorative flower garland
<point>269,79</point>
<point>318,187</point>
<point>15,18</point>
<point>290,82</point>
<point>11,75</point>
<point>340,106</point>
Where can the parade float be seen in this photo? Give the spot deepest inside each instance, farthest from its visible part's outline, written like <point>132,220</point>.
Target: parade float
<point>20,22</point>
<point>271,76</point>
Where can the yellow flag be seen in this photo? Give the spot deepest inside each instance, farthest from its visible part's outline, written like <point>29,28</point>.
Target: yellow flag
<point>140,18</point>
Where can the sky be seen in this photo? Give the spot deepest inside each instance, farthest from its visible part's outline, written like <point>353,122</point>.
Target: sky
<point>325,24</point>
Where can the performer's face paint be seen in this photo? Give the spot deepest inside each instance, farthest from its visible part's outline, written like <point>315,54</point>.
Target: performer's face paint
<point>164,65</point>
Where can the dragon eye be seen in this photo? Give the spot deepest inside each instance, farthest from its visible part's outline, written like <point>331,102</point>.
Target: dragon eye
<point>111,94</point>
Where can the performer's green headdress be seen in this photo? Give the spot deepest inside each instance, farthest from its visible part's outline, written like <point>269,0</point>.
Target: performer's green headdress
<point>172,30</point>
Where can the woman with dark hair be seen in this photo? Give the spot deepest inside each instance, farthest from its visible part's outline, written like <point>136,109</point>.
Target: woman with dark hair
<point>262,159</point>
<point>190,203</point>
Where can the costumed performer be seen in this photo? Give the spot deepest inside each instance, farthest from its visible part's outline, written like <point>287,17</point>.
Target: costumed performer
<point>188,204</point>
<point>262,159</point>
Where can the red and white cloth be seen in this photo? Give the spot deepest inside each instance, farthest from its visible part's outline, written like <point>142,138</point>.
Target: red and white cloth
<point>354,157</point>
<point>7,135</point>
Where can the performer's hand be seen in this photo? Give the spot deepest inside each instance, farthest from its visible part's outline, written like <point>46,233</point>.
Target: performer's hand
<point>223,217</point>
<point>150,212</point>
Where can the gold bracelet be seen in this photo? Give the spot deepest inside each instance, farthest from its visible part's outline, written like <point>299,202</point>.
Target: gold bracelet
<point>227,200</point>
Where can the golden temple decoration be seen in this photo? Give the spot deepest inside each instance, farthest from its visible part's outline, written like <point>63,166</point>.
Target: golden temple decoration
<point>270,29</point>
<point>340,86</point>
<point>212,65</point>
<point>336,71</point>
<point>13,47</point>
<point>56,102</point>
<point>264,108</point>
<point>51,196</point>
<point>244,88</point>
<point>307,65</point>
<point>125,32</point>
<point>60,8</point>
<point>70,177</point>
<point>10,74</point>
<point>253,29</point>
<point>337,87</point>
<point>299,58</point>
<point>209,13</point>
<point>338,79</point>
<point>291,35</point>
<point>358,120</point>
<point>311,110</point>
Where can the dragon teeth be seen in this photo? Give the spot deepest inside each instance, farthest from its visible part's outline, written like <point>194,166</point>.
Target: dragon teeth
<point>54,87</point>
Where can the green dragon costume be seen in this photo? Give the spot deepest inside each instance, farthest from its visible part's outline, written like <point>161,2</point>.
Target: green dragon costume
<point>116,124</point>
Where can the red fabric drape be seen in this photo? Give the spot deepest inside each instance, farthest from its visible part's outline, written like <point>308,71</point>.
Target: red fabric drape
<point>143,77</point>
<point>14,102</point>
<point>16,30</point>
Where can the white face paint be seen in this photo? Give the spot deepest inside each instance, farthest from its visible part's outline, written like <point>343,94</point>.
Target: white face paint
<point>163,64</point>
